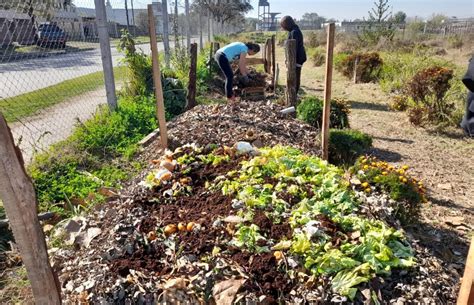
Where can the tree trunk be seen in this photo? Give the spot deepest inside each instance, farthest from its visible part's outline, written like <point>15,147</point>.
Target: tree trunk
<point>187,23</point>
<point>166,36</point>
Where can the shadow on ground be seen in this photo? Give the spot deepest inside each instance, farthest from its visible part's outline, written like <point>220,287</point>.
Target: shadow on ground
<point>385,155</point>
<point>369,106</point>
<point>394,140</point>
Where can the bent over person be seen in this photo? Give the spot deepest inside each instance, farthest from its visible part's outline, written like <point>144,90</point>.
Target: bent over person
<point>232,52</point>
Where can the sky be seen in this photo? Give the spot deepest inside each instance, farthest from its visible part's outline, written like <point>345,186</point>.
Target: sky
<point>352,9</point>
<point>341,9</point>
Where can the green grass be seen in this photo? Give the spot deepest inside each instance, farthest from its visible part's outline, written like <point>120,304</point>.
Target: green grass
<point>27,104</point>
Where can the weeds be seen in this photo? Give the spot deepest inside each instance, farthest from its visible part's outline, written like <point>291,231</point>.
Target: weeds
<point>310,110</point>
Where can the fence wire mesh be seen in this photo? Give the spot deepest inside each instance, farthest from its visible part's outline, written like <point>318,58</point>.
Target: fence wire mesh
<point>50,62</point>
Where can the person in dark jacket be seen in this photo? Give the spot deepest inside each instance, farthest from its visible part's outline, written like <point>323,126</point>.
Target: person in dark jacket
<point>288,24</point>
<point>468,121</point>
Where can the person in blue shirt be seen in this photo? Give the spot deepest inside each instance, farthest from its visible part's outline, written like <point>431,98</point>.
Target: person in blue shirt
<point>288,24</point>
<point>232,52</point>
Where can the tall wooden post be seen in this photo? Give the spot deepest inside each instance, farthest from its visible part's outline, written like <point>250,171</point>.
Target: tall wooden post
<point>19,199</point>
<point>291,93</point>
<point>192,77</point>
<point>466,293</point>
<point>327,90</point>
<point>166,32</point>
<point>268,56</point>
<point>106,54</point>
<point>160,106</point>
<point>273,61</point>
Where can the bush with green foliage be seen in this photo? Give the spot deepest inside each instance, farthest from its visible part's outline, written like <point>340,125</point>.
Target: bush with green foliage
<point>346,145</point>
<point>368,69</point>
<point>72,170</point>
<point>318,56</point>
<point>310,110</point>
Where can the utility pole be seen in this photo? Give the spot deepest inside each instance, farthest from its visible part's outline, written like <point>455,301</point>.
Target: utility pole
<point>166,36</point>
<point>126,13</point>
<point>187,24</point>
<point>133,20</point>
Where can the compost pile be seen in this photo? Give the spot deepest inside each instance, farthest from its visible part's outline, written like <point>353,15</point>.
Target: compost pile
<point>259,123</point>
<point>240,225</point>
<point>256,79</point>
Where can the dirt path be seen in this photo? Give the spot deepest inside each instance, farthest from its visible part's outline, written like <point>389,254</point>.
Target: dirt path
<point>37,133</point>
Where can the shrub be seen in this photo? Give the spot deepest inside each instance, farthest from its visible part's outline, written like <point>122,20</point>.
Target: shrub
<point>67,176</point>
<point>174,96</point>
<point>110,134</point>
<point>314,39</point>
<point>318,57</point>
<point>346,145</point>
<point>427,89</point>
<point>399,103</point>
<point>399,68</point>
<point>222,39</point>
<point>379,176</point>
<point>310,110</point>
<point>369,66</point>
<point>455,42</point>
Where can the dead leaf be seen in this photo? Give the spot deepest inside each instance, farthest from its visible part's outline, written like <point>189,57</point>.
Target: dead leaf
<point>224,292</point>
<point>177,283</point>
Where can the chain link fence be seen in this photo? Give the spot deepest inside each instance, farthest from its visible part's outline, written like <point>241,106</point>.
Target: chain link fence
<point>50,62</point>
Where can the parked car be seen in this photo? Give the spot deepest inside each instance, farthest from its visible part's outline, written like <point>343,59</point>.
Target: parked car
<point>50,35</point>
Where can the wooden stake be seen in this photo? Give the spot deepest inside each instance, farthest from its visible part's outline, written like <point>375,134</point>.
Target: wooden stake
<point>19,199</point>
<point>160,105</point>
<point>466,293</point>
<point>356,63</point>
<point>327,90</point>
<point>192,77</point>
<point>277,75</point>
<point>291,93</point>
<point>273,60</point>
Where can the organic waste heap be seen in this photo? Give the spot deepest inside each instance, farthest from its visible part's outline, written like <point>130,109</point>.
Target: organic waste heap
<point>259,123</point>
<point>237,224</point>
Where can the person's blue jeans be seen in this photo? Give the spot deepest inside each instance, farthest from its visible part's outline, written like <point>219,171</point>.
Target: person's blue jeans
<point>224,64</point>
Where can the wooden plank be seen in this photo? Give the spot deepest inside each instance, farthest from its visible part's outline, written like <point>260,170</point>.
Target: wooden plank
<point>19,200</point>
<point>327,90</point>
<point>192,77</point>
<point>466,293</point>
<point>291,93</point>
<point>252,61</point>
<point>160,105</point>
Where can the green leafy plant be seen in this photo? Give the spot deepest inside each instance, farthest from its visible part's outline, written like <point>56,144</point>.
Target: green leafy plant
<point>310,110</point>
<point>346,145</point>
<point>318,56</point>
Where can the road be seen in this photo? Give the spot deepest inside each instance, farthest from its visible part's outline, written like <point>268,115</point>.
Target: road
<point>24,76</point>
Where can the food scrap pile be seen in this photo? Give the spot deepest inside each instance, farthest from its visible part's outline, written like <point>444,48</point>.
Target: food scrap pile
<point>256,79</point>
<point>239,224</point>
<point>259,123</point>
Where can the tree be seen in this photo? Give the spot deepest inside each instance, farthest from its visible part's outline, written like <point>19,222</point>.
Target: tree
<point>379,24</point>
<point>224,11</point>
<point>399,17</point>
<point>380,13</point>
<point>313,19</point>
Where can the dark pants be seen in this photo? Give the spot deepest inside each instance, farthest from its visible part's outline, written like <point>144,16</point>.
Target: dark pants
<point>224,64</point>
<point>298,79</point>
